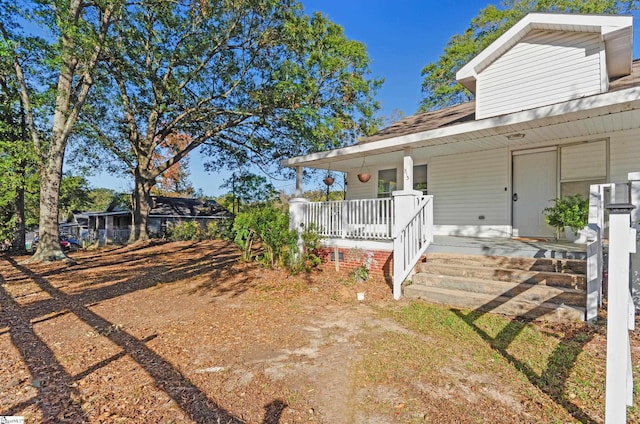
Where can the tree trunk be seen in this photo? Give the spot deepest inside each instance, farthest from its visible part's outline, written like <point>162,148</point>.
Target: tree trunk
<point>19,239</point>
<point>19,232</point>
<point>141,207</point>
<point>50,175</point>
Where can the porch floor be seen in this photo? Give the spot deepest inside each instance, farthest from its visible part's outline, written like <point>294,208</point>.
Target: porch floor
<point>520,247</point>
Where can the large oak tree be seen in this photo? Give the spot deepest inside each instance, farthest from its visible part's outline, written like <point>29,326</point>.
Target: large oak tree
<point>247,81</point>
<point>60,58</point>
<point>439,87</point>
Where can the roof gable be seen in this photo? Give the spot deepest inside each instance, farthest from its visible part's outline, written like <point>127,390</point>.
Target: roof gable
<point>465,112</point>
<point>615,31</point>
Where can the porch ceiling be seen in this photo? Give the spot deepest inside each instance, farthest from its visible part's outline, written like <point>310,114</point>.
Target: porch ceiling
<point>587,117</point>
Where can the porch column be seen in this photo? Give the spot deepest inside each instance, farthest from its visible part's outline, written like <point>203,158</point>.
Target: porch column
<point>299,174</point>
<point>407,172</point>
<point>297,214</point>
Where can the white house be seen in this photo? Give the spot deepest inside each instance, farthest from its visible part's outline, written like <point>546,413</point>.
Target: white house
<point>557,109</point>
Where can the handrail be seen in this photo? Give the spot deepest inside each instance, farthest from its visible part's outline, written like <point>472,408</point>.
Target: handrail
<point>420,203</point>
<point>410,241</point>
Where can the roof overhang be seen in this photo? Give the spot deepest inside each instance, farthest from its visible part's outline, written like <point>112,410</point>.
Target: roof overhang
<point>493,131</point>
<point>616,32</point>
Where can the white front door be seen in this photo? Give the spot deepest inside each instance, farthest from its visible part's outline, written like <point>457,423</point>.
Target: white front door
<point>534,188</point>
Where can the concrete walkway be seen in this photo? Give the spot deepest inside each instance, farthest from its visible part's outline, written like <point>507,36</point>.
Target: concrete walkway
<point>521,247</point>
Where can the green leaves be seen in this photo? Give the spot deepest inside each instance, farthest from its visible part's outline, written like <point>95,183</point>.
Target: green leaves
<point>569,211</point>
<point>439,86</point>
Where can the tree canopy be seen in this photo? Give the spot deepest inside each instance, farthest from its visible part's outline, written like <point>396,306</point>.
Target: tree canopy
<point>439,87</point>
<point>250,81</point>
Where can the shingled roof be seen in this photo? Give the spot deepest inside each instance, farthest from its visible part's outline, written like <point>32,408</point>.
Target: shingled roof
<point>465,112</point>
<point>187,207</point>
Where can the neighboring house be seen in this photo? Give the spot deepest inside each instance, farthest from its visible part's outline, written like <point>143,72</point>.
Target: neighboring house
<point>114,224</point>
<point>76,225</point>
<point>557,108</point>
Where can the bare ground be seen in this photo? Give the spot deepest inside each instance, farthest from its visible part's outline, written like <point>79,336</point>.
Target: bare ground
<point>183,332</point>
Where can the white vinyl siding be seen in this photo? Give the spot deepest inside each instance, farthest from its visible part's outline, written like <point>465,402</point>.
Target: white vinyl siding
<point>545,67</point>
<point>357,190</point>
<point>624,153</point>
<point>583,161</point>
<point>467,187</point>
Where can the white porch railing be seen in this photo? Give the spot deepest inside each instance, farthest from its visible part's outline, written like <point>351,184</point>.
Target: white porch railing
<point>112,236</point>
<point>597,202</point>
<point>621,204</point>
<point>375,219</point>
<point>411,241</point>
<point>367,219</point>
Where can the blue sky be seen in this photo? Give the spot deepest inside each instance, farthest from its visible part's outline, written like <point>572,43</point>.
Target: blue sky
<point>400,40</point>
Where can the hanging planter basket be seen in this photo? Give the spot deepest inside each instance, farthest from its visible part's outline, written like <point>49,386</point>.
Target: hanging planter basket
<point>364,174</point>
<point>364,177</point>
<point>328,180</point>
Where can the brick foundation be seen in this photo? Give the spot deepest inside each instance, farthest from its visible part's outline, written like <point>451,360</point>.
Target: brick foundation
<point>350,259</point>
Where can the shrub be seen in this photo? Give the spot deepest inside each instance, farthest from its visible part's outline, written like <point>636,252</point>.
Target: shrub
<point>219,229</point>
<point>185,230</point>
<point>269,226</point>
<point>308,259</point>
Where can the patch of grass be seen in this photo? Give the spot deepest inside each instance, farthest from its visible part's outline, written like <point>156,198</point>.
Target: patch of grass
<point>552,372</point>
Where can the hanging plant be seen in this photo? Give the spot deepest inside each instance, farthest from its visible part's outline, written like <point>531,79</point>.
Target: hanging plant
<point>364,174</point>
<point>328,180</point>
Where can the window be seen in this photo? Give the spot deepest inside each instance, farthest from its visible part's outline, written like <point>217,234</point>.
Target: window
<point>420,178</point>
<point>387,182</point>
<point>581,165</point>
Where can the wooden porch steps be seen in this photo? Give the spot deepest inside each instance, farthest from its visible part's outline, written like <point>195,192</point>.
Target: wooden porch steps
<point>535,288</point>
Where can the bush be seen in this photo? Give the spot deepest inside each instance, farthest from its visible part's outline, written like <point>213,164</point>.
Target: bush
<point>269,226</point>
<point>185,230</point>
<point>308,259</point>
<point>219,229</point>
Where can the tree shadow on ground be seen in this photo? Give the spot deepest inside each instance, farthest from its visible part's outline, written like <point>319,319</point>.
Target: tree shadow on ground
<point>560,363</point>
<point>57,398</point>
<point>105,283</point>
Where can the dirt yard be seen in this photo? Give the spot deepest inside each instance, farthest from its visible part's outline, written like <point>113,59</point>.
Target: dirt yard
<point>183,332</point>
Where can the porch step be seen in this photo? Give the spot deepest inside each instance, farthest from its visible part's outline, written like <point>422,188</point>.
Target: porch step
<point>536,288</point>
<point>547,278</point>
<point>493,288</point>
<point>500,305</point>
<point>576,266</point>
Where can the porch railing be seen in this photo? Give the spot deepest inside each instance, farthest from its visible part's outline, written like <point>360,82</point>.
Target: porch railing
<point>105,237</point>
<point>597,202</point>
<point>411,241</point>
<point>368,219</point>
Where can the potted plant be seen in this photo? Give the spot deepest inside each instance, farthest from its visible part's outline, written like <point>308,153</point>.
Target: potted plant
<point>360,275</point>
<point>569,214</point>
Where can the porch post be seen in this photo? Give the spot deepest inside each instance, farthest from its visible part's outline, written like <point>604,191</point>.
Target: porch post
<point>407,172</point>
<point>404,205</point>
<point>297,218</point>
<point>620,316</point>
<point>299,174</point>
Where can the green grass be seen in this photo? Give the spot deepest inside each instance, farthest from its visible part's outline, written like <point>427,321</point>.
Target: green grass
<point>485,367</point>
